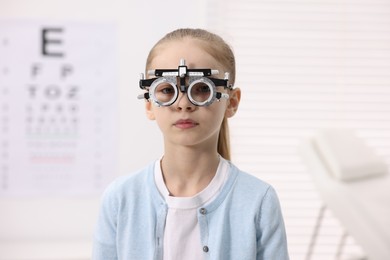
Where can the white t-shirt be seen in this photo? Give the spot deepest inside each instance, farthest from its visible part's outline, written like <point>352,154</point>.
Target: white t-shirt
<point>182,233</point>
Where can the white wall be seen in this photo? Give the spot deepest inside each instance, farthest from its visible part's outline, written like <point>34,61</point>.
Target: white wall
<point>61,228</point>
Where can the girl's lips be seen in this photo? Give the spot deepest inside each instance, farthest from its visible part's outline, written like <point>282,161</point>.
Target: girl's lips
<point>185,123</point>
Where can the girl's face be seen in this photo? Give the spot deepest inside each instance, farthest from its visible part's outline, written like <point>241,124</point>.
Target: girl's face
<point>183,123</point>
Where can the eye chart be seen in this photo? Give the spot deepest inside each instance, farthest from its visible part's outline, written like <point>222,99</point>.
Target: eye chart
<point>58,95</point>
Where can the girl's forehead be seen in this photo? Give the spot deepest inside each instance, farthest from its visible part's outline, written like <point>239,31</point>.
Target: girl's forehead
<point>168,55</point>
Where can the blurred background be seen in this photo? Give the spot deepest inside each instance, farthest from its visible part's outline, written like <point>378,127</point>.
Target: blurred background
<point>70,121</point>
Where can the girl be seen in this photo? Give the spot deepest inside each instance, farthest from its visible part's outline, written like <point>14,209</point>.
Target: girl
<point>192,203</point>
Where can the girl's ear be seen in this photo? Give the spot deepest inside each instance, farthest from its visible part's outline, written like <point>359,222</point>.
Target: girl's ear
<point>149,110</point>
<point>234,101</point>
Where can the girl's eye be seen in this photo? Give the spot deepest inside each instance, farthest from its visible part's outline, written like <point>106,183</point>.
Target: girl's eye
<point>202,88</point>
<point>166,89</point>
<point>200,92</point>
<point>165,92</point>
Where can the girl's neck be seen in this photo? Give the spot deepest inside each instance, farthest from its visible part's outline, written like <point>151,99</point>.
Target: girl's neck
<point>187,171</point>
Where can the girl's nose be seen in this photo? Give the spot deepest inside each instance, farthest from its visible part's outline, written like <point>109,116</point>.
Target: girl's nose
<point>183,103</point>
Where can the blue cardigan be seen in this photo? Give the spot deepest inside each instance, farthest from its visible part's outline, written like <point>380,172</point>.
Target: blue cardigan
<point>243,222</point>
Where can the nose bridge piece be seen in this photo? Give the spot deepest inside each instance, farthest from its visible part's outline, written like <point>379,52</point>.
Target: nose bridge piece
<point>183,88</point>
<point>182,73</point>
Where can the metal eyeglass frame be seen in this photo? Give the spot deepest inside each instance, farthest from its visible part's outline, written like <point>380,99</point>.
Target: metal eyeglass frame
<point>194,76</point>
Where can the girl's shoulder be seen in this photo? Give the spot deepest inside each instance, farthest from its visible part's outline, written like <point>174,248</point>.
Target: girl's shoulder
<point>133,182</point>
<point>250,186</point>
<point>249,181</point>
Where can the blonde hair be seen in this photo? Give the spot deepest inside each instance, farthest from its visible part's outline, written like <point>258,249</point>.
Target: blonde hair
<point>222,53</point>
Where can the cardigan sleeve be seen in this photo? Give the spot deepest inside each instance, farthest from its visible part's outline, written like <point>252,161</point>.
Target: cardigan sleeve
<point>272,243</point>
<point>104,242</point>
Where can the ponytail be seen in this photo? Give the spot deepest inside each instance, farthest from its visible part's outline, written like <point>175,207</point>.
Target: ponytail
<point>224,140</point>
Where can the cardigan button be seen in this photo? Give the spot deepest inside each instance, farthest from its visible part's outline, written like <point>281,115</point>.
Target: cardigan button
<point>205,249</point>
<point>203,211</point>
